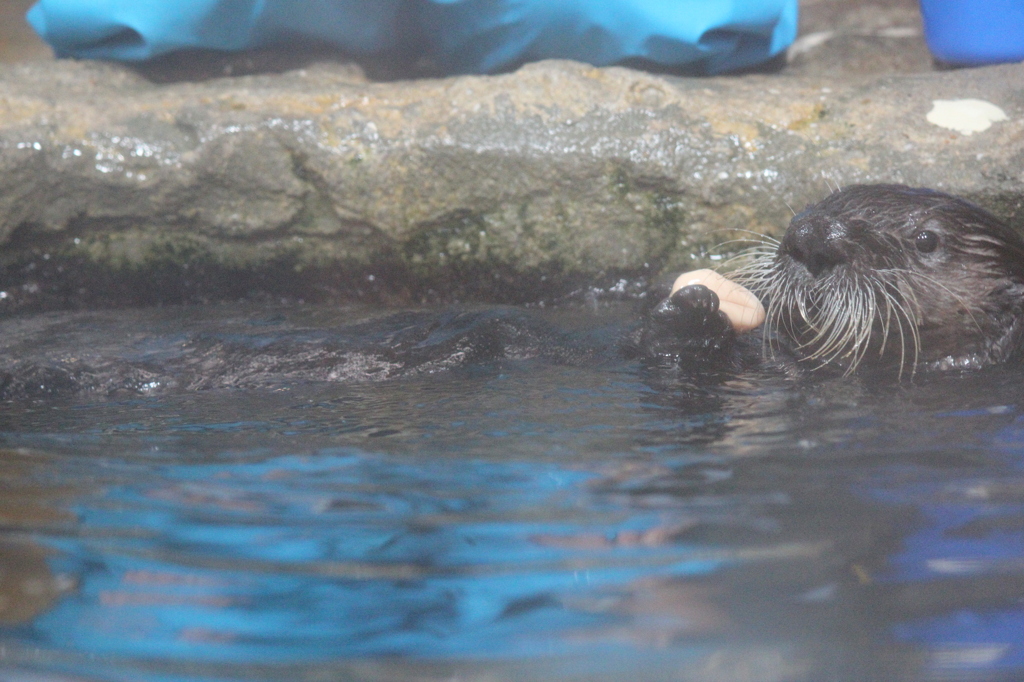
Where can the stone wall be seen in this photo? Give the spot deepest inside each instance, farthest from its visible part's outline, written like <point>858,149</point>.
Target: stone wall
<point>318,184</point>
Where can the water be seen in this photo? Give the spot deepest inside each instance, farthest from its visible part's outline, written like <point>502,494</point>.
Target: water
<point>551,515</point>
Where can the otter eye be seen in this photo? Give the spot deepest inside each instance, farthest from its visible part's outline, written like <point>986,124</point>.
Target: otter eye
<point>926,241</point>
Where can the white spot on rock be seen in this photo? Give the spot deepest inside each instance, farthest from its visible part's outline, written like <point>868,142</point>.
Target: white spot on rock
<point>808,42</point>
<point>966,116</point>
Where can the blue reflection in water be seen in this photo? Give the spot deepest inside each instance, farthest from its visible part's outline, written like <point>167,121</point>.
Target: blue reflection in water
<point>345,553</point>
<point>970,528</point>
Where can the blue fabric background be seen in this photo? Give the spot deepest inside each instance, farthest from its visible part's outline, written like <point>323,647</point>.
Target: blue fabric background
<point>460,36</point>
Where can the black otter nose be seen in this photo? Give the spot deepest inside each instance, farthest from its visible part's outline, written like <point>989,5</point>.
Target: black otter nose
<point>816,242</point>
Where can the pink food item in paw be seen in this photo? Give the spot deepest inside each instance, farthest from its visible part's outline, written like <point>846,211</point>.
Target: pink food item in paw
<point>740,306</point>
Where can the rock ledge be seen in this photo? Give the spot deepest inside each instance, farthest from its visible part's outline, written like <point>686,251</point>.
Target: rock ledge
<point>317,184</point>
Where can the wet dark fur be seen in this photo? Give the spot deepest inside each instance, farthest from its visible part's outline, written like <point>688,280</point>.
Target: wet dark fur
<point>251,354</point>
<point>874,275</point>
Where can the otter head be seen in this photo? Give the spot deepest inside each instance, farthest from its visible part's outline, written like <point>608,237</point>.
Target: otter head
<point>892,274</point>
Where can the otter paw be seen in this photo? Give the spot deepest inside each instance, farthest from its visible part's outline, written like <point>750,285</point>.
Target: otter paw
<point>687,326</point>
<point>688,309</point>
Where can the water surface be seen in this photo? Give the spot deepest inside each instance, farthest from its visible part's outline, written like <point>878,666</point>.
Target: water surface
<point>547,515</point>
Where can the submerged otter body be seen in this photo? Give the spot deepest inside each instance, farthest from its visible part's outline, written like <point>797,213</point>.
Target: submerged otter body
<point>881,275</point>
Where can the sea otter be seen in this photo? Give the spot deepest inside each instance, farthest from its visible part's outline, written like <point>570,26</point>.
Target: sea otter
<point>880,275</point>
<point>874,277</point>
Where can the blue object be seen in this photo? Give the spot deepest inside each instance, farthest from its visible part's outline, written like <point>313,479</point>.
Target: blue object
<point>460,36</point>
<point>973,31</point>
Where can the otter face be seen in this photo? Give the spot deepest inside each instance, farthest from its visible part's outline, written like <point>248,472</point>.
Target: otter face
<point>892,274</point>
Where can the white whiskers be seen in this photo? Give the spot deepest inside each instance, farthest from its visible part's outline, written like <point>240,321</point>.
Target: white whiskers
<point>838,317</point>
